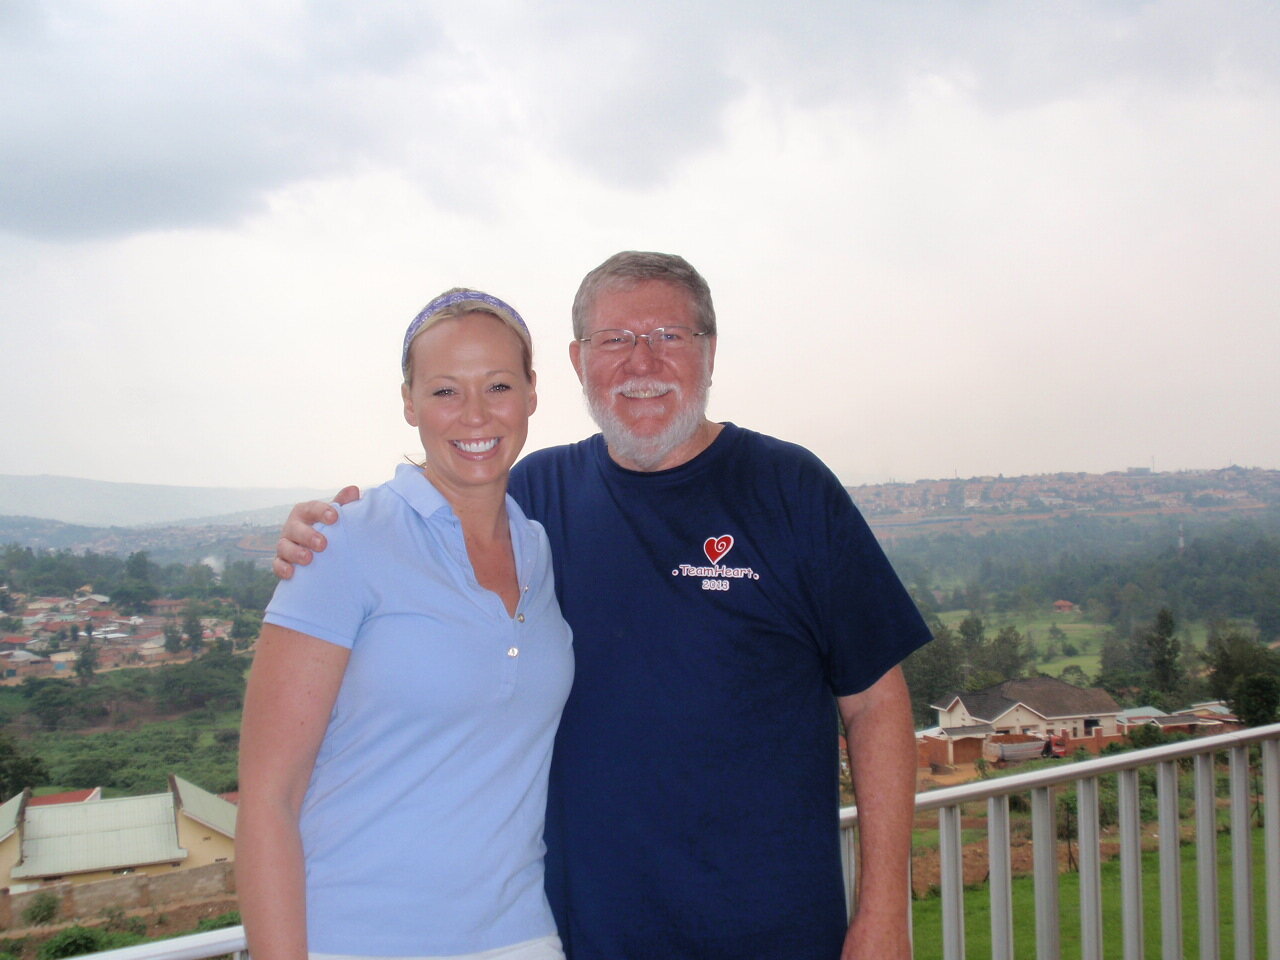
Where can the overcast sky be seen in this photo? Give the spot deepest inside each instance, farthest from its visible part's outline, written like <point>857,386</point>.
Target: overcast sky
<point>944,239</point>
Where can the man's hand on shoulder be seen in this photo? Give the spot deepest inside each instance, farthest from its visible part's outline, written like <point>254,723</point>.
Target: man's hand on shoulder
<point>299,540</point>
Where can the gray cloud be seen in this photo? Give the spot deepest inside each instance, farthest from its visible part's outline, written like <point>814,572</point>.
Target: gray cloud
<point>163,118</point>
<point>169,116</point>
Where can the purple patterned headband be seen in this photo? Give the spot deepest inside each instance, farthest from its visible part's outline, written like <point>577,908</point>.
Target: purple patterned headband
<point>448,300</point>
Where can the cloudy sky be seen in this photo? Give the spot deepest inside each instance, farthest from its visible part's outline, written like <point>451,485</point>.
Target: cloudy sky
<point>953,238</point>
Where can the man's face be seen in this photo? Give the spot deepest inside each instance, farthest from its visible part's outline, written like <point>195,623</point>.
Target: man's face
<point>648,405</point>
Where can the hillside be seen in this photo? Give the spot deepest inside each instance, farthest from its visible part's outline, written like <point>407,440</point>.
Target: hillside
<point>105,504</point>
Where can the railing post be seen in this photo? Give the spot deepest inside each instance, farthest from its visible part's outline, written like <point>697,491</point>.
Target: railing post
<point>1000,887</point>
<point>1130,864</point>
<point>848,867</point>
<point>1241,854</point>
<point>1271,842</point>
<point>1044,837</point>
<point>951,863</point>
<point>1170,860</point>
<point>1207,856</point>
<point>1090,869</point>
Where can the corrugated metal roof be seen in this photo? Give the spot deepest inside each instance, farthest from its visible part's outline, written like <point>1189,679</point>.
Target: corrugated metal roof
<point>206,807</point>
<point>969,730</point>
<point>106,835</point>
<point>9,815</point>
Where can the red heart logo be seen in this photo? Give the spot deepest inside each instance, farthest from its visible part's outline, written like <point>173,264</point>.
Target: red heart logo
<point>717,547</point>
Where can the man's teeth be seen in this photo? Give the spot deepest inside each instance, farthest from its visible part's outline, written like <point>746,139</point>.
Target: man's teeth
<point>476,446</point>
<point>648,393</point>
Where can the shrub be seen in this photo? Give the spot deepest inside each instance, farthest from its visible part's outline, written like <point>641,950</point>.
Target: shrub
<point>71,942</point>
<point>42,909</point>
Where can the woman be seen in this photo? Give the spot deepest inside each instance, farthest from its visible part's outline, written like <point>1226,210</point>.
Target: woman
<point>407,686</point>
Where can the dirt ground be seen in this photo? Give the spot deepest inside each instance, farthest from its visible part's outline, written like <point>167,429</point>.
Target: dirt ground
<point>926,864</point>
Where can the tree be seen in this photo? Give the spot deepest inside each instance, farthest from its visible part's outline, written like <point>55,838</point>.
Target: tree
<point>193,628</point>
<point>245,625</point>
<point>1165,652</point>
<point>1256,698</point>
<point>932,672</point>
<point>87,661</point>
<point>1006,655</point>
<point>1074,675</point>
<point>172,636</point>
<point>18,770</point>
<point>1231,653</point>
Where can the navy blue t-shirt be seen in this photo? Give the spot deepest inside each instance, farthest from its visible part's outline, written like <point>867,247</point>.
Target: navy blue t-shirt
<point>717,609</point>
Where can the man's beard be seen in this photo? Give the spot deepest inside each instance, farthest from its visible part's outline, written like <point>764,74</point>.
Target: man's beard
<point>647,452</point>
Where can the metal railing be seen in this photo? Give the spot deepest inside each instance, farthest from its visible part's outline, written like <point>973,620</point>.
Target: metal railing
<point>1040,784</point>
<point>1085,776</point>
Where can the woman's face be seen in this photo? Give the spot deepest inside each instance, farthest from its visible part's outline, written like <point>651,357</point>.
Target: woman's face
<point>470,400</point>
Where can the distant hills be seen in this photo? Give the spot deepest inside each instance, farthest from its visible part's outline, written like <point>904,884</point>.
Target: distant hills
<point>186,524</point>
<point>100,503</point>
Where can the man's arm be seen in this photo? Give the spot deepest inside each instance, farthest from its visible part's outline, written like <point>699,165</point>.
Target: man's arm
<point>299,538</point>
<point>882,761</point>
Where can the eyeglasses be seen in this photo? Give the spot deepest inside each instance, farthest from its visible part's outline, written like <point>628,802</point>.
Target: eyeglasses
<point>660,339</point>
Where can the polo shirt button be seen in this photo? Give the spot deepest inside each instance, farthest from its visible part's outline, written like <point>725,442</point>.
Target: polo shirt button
<point>520,617</point>
<point>513,652</point>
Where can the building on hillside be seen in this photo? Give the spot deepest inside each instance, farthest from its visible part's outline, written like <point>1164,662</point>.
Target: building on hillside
<point>94,839</point>
<point>1132,717</point>
<point>1040,706</point>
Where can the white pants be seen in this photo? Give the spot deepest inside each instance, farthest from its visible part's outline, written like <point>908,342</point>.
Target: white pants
<point>543,948</point>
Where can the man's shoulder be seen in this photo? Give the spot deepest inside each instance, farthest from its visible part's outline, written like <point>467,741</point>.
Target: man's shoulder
<point>785,457</point>
<point>550,460</point>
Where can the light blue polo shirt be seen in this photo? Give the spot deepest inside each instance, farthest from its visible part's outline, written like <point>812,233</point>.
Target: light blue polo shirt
<point>422,825</point>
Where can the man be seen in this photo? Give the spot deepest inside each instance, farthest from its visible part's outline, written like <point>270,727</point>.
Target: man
<point>727,602</point>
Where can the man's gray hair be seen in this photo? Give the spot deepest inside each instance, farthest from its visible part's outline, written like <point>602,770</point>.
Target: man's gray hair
<point>631,267</point>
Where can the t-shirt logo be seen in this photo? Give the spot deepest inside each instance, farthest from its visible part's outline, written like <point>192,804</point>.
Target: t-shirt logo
<point>717,547</point>
<point>717,576</point>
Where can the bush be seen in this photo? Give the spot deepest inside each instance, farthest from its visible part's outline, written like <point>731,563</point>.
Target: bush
<point>42,909</point>
<point>77,941</point>
<point>71,942</point>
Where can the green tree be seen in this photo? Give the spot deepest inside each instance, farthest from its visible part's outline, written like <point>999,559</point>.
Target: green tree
<point>86,661</point>
<point>1232,653</point>
<point>1165,652</point>
<point>1256,699</point>
<point>193,628</point>
<point>1006,655</point>
<point>54,703</point>
<point>247,586</point>
<point>932,672</point>
<point>246,625</point>
<point>172,636</point>
<point>18,770</point>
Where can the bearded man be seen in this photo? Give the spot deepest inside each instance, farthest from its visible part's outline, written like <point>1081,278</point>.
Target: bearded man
<point>728,604</point>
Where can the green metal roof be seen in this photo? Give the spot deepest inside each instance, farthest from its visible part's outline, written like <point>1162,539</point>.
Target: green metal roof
<point>205,807</point>
<point>105,835</point>
<point>9,815</point>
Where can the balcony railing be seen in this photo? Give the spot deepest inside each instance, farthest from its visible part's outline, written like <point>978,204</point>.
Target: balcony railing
<point>1085,776</point>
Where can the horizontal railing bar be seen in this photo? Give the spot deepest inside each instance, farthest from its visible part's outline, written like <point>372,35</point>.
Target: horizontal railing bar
<point>194,946</point>
<point>1024,782</point>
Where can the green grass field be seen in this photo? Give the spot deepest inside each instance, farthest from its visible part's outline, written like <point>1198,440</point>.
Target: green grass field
<point>927,913</point>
